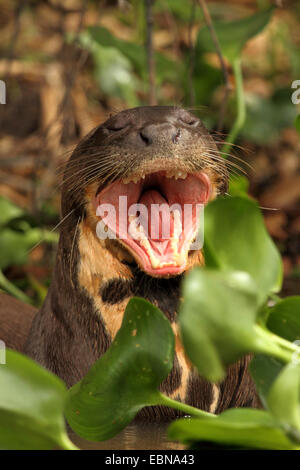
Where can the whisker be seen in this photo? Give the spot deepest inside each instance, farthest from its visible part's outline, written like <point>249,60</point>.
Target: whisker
<point>52,230</point>
<point>72,248</point>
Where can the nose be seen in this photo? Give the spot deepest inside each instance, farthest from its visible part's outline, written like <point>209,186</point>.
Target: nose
<point>159,133</point>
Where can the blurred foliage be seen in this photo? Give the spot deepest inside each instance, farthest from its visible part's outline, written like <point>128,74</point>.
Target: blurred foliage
<point>18,236</point>
<point>232,35</point>
<point>266,117</point>
<point>261,50</point>
<point>32,419</point>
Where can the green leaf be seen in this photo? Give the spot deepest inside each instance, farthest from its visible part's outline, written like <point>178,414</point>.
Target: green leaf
<point>267,117</point>
<point>8,211</point>
<point>246,428</point>
<point>217,318</point>
<point>237,240</point>
<point>284,318</point>
<point>264,370</point>
<point>166,68</point>
<point>205,80</point>
<point>31,406</point>
<point>233,35</point>
<point>239,186</point>
<point>126,378</point>
<point>284,399</point>
<point>15,245</point>
<point>113,70</point>
<point>178,9</point>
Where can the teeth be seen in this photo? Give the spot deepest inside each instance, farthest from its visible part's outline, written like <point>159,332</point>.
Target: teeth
<point>169,174</point>
<point>176,174</point>
<point>132,179</point>
<point>135,231</point>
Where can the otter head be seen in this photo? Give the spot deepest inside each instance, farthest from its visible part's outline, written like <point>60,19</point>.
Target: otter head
<point>140,180</point>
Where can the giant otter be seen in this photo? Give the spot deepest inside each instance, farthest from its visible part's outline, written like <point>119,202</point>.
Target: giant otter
<point>151,155</point>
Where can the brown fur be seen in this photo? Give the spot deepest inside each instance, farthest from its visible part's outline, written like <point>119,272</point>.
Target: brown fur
<point>16,318</point>
<point>94,279</point>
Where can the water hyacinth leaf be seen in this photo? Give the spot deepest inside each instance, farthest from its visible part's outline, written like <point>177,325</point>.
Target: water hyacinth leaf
<point>239,186</point>
<point>246,428</point>
<point>233,35</point>
<point>284,399</point>
<point>126,378</point>
<point>217,318</point>
<point>284,318</point>
<point>264,370</point>
<point>235,238</point>
<point>31,406</point>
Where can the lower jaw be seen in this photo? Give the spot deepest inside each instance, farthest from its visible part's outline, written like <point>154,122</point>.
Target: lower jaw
<point>155,268</point>
<point>166,271</point>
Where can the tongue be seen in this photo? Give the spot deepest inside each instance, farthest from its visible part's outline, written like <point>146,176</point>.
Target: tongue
<point>157,208</point>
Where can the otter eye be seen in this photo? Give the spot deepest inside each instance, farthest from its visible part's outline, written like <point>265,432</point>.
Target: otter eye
<point>189,121</point>
<point>117,126</point>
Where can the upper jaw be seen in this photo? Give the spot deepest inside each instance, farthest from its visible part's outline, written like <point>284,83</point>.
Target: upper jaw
<point>173,167</point>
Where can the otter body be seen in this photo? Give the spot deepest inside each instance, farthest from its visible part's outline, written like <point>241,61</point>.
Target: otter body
<point>143,153</point>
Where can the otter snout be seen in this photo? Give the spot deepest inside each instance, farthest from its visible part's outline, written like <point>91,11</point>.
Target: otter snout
<point>155,134</point>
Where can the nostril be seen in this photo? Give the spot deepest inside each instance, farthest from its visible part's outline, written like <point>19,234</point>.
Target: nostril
<point>145,138</point>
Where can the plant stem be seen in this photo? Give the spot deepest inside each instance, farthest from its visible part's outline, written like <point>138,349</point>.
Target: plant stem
<point>228,87</point>
<point>285,343</point>
<point>275,297</point>
<point>274,345</point>
<point>150,52</point>
<point>12,289</point>
<point>241,107</point>
<point>65,443</point>
<point>190,410</point>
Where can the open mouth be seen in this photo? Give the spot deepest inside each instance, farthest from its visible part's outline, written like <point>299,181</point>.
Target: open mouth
<point>155,216</point>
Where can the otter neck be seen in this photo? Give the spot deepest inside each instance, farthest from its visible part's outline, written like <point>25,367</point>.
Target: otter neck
<point>110,282</point>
